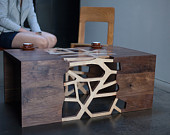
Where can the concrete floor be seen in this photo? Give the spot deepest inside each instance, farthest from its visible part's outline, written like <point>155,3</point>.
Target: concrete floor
<point>155,121</point>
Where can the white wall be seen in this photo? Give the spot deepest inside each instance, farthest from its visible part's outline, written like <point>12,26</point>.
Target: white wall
<point>139,24</point>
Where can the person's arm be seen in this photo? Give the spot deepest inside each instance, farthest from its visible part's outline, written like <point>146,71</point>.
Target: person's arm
<point>23,30</point>
<point>4,21</point>
<point>32,20</point>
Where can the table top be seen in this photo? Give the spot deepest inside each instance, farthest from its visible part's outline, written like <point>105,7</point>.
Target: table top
<point>41,54</point>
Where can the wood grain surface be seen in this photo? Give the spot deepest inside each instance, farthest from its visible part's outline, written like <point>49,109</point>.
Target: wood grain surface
<point>138,102</point>
<point>42,91</point>
<point>136,81</point>
<point>134,84</point>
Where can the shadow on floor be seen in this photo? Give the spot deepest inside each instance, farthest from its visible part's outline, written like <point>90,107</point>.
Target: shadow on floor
<point>147,122</point>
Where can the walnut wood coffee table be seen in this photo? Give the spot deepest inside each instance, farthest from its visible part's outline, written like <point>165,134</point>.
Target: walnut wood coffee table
<point>34,79</point>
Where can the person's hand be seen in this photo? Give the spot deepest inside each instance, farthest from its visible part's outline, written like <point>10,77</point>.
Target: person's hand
<point>23,30</point>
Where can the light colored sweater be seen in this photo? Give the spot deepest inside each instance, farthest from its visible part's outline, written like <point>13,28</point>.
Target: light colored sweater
<point>12,16</point>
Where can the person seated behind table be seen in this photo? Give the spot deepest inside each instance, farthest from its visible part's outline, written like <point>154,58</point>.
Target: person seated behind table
<point>13,14</point>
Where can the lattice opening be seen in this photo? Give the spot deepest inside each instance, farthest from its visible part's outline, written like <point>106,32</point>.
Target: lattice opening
<point>111,78</point>
<point>80,68</point>
<point>94,85</point>
<point>113,66</point>
<point>95,71</point>
<point>121,104</point>
<point>73,106</point>
<point>68,78</point>
<point>85,116</point>
<point>70,91</point>
<point>101,104</point>
<point>113,88</point>
<point>84,91</point>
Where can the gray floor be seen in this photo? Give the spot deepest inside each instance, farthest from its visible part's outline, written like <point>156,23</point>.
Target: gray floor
<point>155,121</point>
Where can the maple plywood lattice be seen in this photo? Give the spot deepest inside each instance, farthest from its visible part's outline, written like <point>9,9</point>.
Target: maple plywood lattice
<point>80,81</point>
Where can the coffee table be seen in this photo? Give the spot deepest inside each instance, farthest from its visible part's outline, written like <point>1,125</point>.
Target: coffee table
<point>34,79</point>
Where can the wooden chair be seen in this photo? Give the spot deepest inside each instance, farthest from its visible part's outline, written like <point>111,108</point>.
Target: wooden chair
<point>95,14</point>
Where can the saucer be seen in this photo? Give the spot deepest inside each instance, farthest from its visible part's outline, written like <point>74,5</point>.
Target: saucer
<point>28,49</point>
<point>96,46</point>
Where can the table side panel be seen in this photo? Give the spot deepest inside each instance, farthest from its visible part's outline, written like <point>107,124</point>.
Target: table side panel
<point>138,102</point>
<point>136,81</point>
<point>42,91</point>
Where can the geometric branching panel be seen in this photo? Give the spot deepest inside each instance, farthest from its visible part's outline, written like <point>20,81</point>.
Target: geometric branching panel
<point>89,91</point>
<point>85,90</point>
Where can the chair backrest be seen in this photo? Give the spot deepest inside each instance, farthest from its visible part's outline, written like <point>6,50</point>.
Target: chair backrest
<point>97,14</point>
